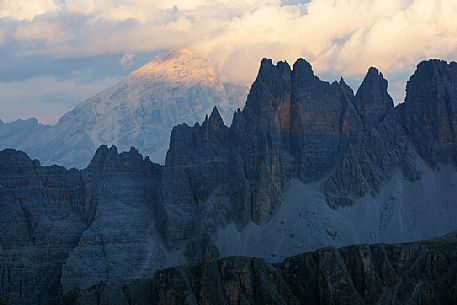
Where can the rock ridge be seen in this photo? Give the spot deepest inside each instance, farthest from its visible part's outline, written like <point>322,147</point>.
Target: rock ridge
<point>123,217</point>
<point>420,273</point>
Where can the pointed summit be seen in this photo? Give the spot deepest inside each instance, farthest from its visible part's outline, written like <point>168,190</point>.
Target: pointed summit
<point>178,66</point>
<point>374,72</point>
<point>102,157</point>
<point>214,121</point>
<point>372,100</point>
<point>346,89</point>
<point>215,118</point>
<point>303,69</point>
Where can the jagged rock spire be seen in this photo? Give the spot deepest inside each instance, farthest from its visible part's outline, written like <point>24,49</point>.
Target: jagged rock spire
<point>304,69</point>
<point>430,110</point>
<point>272,82</point>
<point>215,120</point>
<point>108,159</point>
<point>372,100</point>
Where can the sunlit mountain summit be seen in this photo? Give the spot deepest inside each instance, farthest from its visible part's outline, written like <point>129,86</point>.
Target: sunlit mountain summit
<point>140,110</point>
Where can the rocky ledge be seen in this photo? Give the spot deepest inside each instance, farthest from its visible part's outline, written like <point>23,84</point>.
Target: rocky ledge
<point>413,273</point>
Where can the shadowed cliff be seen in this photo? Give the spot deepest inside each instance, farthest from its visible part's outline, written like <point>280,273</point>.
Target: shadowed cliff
<point>123,217</point>
<point>419,273</point>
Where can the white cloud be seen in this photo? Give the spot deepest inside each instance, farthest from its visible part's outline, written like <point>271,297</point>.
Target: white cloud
<point>127,59</point>
<point>336,36</point>
<point>26,9</point>
<point>40,31</point>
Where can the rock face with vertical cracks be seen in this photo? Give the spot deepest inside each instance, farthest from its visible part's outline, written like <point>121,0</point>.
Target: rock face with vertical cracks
<point>372,100</point>
<point>43,212</point>
<point>422,128</point>
<point>124,217</point>
<point>429,113</point>
<point>293,126</point>
<point>419,273</point>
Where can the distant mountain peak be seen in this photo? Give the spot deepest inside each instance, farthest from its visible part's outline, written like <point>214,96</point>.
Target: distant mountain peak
<point>178,66</point>
<point>176,87</point>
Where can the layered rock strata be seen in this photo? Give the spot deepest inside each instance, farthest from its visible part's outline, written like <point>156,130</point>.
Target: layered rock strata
<point>123,217</point>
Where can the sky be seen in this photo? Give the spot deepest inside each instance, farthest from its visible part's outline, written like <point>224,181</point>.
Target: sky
<point>56,53</point>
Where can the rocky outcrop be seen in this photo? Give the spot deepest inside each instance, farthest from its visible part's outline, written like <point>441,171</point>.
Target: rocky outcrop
<point>293,126</point>
<point>121,240</point>
<point>124,217</point>
<point>421,128</point>
<point>378,146</point>
<point>367,165</point>
<point>44,210</point>
<point>429,113</point>
<point>63,227</point>
<point>420,273</point>
<point>372,100</point>
<point>324,122</point>
<point>140,110</point>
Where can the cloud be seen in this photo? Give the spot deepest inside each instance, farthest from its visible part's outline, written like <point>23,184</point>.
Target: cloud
<point>46,97</point>
<point>26,9</point>
<point>127,59</point>
<point>339,37</point>
<point>40,31</point>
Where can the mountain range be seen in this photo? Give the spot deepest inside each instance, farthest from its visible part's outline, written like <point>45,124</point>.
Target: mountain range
<point>140,111</point>
<point>306,164</point>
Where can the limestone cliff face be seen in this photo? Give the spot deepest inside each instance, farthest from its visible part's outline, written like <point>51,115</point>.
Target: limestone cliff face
<point>293,126</point>
<point>420,273</point>
<point>320,124</point>
<point>372,100</point>
<point>121,241</point>
<point>124,217</point>
<point>367,165</point>
<point>424,127</point>
<point>429,113</point>
<point>377,144</point>
<point>261,140</point>
<point>63,229</point>
<point>43,212</point>
<point>195,178</point>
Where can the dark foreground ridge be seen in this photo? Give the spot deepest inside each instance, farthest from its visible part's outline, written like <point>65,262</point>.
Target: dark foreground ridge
<point>123,217</point>
<point>420,273</point>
